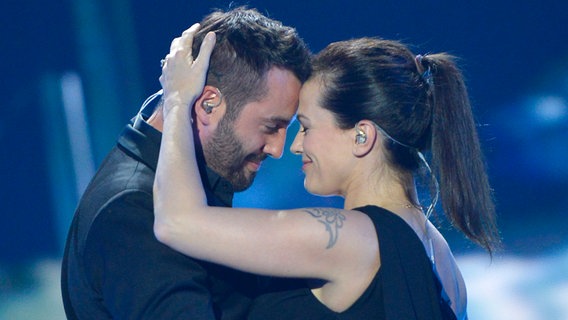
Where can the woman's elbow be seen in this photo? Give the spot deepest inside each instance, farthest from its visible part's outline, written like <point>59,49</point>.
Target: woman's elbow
<point>162,231</point>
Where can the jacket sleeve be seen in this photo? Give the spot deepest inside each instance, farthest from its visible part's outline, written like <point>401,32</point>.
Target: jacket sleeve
<point>135,275</point>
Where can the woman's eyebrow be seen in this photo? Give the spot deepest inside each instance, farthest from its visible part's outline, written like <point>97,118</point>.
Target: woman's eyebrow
<point>301,118</point>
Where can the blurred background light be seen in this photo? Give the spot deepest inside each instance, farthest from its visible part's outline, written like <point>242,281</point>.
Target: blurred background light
<point>75,73</point>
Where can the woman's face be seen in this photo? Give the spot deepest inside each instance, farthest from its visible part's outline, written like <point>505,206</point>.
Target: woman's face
<point>326,150</point>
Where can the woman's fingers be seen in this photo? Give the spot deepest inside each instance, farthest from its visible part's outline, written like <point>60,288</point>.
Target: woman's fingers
<point>182,44</point>
<point>201,63</point>
<point>187,37</point>
<point>181,74</point>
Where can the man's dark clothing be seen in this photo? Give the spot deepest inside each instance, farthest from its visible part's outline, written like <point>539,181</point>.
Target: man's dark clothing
<point>113,266</point>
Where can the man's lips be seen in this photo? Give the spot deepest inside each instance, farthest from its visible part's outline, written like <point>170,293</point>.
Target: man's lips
<point>254,163</point>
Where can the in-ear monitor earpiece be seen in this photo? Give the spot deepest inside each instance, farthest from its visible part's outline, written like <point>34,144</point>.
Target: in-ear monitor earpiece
<point>361,137</point>
<point>208,106</point>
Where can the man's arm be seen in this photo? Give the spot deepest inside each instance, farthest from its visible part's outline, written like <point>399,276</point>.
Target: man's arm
<point>136,276</point>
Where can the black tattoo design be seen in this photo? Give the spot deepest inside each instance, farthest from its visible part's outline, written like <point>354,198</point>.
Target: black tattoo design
<point>332,219</point>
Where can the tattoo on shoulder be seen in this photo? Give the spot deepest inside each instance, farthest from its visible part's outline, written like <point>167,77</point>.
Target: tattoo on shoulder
<point>332,219</point>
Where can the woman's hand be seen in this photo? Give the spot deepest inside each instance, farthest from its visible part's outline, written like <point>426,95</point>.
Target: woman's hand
<point>182,77</point>
<point>177,178</point>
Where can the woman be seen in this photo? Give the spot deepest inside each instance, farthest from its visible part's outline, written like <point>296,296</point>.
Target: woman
<point>367,114</point>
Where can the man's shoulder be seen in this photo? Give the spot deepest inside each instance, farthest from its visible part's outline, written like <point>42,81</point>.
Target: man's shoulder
<point>118,173</point>
<point>121,181</point>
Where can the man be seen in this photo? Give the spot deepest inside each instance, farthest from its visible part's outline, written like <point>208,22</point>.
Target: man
<point>113,267</point>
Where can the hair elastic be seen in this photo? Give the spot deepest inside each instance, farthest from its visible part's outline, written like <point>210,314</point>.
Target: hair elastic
<point>426,75</point>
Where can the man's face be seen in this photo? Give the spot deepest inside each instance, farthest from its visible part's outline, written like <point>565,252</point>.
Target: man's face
<point>237,148</point>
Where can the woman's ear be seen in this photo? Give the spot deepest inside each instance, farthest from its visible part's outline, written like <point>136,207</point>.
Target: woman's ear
<point>209,107</point>
<point>364,138</point>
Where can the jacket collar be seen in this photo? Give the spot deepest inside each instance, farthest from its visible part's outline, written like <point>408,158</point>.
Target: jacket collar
<point>142,141</point>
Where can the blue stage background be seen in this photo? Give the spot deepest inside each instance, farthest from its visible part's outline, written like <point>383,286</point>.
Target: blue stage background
<point>75,71</point>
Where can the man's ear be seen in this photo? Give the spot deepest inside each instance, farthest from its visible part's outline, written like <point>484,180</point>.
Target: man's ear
<point>364,138</point>
<point>209,107</point>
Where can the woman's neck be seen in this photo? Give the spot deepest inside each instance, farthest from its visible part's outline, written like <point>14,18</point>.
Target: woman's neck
<point>386,191</point>
<point>394,196</point>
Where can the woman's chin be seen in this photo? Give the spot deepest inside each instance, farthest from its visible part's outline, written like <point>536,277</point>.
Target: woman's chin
<point>309,188</point>
<point>316,191</point>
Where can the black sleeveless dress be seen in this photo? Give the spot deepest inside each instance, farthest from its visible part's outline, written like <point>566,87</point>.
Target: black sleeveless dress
<point>405,287</point>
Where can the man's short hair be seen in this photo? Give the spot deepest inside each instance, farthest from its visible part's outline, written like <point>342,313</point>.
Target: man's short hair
<point>248,45</point>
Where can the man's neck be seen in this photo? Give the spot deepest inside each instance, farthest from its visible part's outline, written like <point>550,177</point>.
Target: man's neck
<point>156,120</point>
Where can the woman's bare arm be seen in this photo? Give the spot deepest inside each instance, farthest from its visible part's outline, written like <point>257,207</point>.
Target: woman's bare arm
<point>315,242</point>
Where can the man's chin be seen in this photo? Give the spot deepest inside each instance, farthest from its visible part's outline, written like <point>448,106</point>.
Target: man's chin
<point>243,181</point>
<point>241,188</point>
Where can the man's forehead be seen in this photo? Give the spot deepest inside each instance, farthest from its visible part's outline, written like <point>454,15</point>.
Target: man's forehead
<point>265,112</point>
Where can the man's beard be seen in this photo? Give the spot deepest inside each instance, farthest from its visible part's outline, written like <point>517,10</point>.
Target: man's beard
<point>226,155</point>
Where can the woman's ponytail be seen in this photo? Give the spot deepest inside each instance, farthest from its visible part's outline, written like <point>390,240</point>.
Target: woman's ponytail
<point>456,154</point>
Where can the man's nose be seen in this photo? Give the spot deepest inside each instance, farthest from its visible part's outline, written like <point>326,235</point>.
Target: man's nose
<point>275,144</point>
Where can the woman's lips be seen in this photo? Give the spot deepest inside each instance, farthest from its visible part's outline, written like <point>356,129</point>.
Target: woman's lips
<point>305,164</point>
